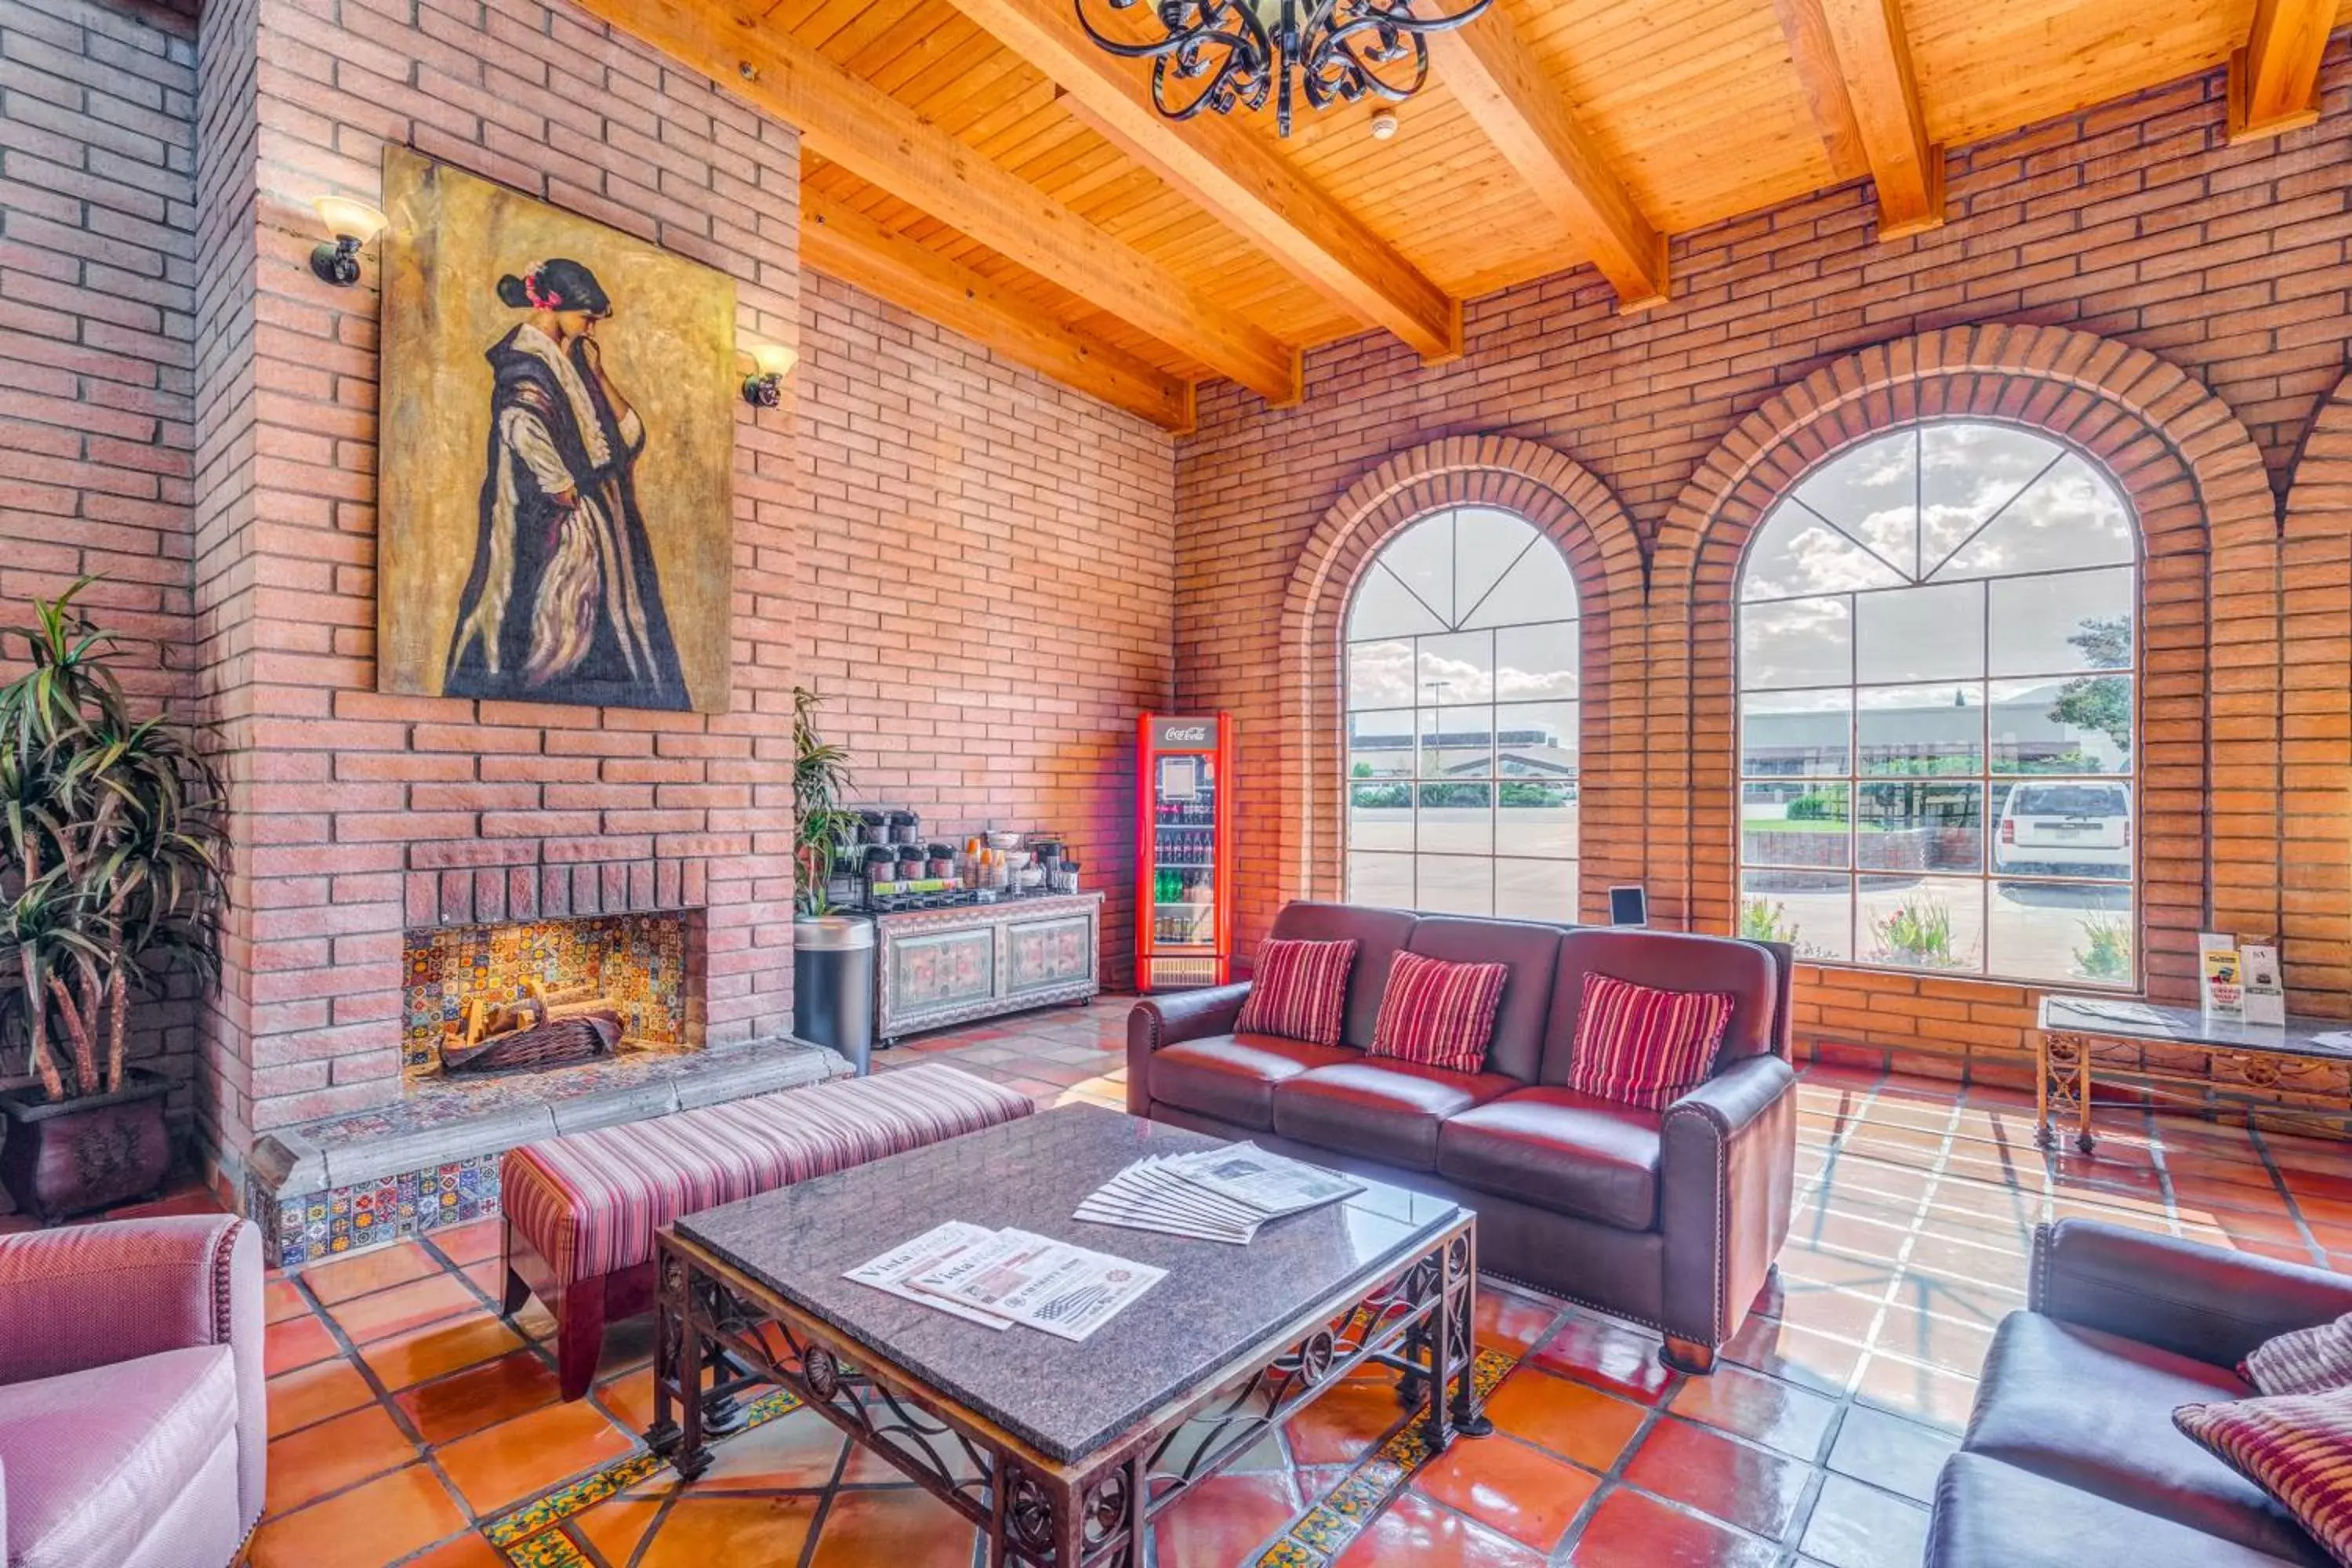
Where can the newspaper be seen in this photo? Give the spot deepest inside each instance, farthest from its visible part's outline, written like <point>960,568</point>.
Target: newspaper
<point>934,1247</point>
<point>1218,1195</point>
<point>1033,1279</point>
<point>1268,1183</point>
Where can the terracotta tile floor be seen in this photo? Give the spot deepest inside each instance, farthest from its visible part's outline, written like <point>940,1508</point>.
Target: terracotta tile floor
<point>409,1420</point>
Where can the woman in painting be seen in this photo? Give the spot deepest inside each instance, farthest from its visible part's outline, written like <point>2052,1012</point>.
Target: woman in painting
<point>563,604</point>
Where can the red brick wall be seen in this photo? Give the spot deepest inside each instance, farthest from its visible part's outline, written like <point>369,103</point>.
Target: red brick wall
<point>357,814</point>
<point>2135,222</point>
<point>987,591</point>
<point>97,315</point>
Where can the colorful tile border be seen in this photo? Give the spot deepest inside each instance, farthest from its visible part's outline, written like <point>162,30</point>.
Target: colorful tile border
<point>533,1536</point>
<point>308,1226</point>
<point>1327,1528</point>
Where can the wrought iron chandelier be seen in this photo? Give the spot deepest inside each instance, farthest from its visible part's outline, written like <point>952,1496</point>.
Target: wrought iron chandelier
<point>1223,54</point>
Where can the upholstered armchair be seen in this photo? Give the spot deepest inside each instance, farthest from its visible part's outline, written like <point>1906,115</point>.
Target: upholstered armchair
<point>133,1433</point>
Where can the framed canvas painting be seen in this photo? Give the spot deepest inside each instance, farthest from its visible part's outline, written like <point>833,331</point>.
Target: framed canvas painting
<point>555,518</point>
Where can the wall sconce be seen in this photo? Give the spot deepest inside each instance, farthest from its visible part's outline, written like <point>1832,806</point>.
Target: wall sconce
<point>353,224</point>
<point>765,388</point>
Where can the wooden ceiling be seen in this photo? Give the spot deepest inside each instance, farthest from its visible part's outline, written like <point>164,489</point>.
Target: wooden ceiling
<point>980,163</point>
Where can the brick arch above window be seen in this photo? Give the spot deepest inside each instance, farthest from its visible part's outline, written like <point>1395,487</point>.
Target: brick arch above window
<point>1570,507</point>
<point>2210,614</point>
<point>2316,567</point>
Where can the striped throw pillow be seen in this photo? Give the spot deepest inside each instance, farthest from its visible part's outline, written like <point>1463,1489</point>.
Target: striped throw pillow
<point>2298,1447</point>
<point>1438,1013</point>
<point>1300,991</point>
<point>1639,1045</point>
<point>2308,1361</point>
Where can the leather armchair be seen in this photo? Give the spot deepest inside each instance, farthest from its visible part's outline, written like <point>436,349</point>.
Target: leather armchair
<point>132,1427</point>
<point>2071,1453</point>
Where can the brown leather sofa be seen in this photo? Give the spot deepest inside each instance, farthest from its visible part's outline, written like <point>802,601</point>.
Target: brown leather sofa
<point>2071,1455</point>
<point>1669,1218</point>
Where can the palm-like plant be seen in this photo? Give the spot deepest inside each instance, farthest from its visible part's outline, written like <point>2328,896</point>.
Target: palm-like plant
<point>111,836</point>
<point>821,779</point>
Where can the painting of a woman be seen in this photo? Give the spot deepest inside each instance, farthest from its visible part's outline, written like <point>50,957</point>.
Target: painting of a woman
<point>564,603</point>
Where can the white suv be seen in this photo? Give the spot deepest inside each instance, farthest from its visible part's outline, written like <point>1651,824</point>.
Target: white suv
<point>2064,829</point>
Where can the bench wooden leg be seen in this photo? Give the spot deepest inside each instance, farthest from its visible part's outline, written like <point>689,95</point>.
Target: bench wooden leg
<point>579,1334</point>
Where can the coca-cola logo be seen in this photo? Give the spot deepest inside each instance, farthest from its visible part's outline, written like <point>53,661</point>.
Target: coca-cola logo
<point>1186,734</point>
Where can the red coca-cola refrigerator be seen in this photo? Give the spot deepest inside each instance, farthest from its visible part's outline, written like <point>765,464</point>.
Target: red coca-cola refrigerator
<point>1183,850</point>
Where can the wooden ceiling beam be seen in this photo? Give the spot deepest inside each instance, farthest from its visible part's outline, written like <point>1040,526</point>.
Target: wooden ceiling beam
<point>849,121</point>
<point>1523,113</point>
<point>850,245</point>
<point>1232,174</point>
<point>1873,59</point>
<point>2274,79</point>
<point>1814,56</point>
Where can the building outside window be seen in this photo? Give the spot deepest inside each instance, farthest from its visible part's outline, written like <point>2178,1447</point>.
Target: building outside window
<point>1462,670</point>
<point>1938,657</point>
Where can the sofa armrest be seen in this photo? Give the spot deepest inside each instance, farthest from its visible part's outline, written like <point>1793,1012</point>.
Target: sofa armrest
<point>1157,1021</point>
<point>1727,1180</point>
<point>2181,1296</point>
<point>96,1294</point>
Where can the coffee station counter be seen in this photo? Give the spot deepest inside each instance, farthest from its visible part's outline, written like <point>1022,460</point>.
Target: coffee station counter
<point>957,959</point>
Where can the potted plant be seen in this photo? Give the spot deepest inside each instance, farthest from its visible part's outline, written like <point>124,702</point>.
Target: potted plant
<point>110,849</point>
<point>832,954</point>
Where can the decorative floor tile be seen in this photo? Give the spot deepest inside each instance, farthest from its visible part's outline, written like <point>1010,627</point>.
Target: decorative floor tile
<point>1816,1442</point>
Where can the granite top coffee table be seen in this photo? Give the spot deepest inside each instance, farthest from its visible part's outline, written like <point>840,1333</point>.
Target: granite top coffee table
<point>1060,1452</point>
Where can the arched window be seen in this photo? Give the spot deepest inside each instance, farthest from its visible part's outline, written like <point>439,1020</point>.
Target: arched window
<point>1937,710</point>
<point>1462,721</point>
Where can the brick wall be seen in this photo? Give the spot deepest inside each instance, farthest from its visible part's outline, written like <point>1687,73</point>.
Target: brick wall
<point>987,583</point>
<point>357,814</point>
<point>96,316</point>
<point>2135,225</point>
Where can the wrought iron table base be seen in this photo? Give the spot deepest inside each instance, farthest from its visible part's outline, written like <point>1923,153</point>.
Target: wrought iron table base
<point>722,1334</point>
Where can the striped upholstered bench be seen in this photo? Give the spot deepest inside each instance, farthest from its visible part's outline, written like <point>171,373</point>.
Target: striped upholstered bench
<point>581,1209</point>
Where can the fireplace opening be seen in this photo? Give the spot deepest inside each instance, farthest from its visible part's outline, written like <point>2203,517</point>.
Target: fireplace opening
<point>488,999</point>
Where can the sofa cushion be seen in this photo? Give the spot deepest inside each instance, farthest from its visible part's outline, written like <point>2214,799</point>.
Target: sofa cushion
<point>1993,1515</point>
<point>1383,934</point>
<point>1668,960</point>
<point>95,1457</point>
<point>1640,1046</point>
<point>1439,1014</point>
<point>1300,990</point>
<point>2306,1361</point>
<point>1529,950</point>
<point>1383,1110</point>
<point>2095,1410</point>
<point>1232,1078</point>
<point>2298,1447</point>
<point>1573,1153</point>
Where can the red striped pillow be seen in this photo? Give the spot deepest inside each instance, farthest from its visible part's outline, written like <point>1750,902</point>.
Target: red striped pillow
<point>1300,991</point>
<point>1438,1013</point>
<point>2308,1361</point>
<point>2298,1447</point>
<point>1639,1045</point>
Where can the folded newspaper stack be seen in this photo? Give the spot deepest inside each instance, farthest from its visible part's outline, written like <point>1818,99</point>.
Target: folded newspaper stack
<point>1217,1194</point>
<point>999,1278</point>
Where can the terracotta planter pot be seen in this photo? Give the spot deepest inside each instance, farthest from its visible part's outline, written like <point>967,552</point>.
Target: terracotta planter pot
<point>70,1156</point>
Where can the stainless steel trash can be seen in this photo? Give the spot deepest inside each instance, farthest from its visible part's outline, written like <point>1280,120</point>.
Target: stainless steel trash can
<point>832,984</point>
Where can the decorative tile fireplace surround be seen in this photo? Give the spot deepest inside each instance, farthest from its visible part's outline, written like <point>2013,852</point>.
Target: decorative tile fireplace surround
<point>649,966</point>
<point>429,1157</point>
